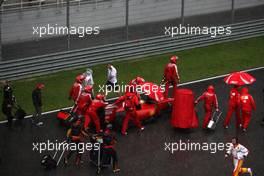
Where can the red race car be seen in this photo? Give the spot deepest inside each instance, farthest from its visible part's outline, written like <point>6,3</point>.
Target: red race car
<point>152,103</point>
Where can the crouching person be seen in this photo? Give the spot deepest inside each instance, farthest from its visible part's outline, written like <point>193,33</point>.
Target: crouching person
<point>109,147</point>
<point>74,136</point>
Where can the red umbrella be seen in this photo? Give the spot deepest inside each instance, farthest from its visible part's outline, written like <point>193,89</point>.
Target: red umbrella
<point>239,78</point>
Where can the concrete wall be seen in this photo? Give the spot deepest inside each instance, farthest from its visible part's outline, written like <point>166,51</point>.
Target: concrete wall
<point>18,26</point>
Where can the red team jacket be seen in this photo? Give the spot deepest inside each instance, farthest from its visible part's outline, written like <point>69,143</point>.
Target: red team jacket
<point>234,97</point>
<point>83,102</point>
<point>75,91</point>
<point>246,100</point>
<point>171,72</point>
<point>131,101</point>
<point>210,100</point>
<point>96,104</point>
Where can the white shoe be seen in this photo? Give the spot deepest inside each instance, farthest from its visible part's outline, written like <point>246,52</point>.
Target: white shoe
<point>142,128</point>
<point>250,171</point>
<point>125,134</point>
<point>39,124</point>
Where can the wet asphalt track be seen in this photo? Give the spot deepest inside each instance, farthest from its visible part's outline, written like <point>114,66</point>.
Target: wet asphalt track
<point>142,154</point>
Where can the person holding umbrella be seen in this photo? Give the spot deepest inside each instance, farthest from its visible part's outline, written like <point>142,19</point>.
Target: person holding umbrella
<point>233,106</point>
<point>245,101</point>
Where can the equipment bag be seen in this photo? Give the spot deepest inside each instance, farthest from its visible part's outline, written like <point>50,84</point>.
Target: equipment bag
<point>20,113</point>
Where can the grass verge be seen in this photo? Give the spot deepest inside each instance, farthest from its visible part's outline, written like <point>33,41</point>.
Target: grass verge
<point>194,64</point>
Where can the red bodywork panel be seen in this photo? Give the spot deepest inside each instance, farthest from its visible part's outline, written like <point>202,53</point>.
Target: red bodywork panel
<point>63,115</point>
<point>147,110</point>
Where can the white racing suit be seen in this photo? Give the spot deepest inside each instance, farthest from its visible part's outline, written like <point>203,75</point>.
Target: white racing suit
<point>239,152</point>
<point>88,81</point>
<point>88,78</point>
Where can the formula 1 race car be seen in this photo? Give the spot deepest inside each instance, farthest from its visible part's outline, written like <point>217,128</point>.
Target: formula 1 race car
<point>152,103</point>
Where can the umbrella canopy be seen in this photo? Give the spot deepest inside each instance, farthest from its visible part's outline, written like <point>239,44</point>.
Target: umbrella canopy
<point>239,78</point>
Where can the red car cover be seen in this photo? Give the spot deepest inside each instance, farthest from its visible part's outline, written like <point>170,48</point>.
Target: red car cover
<point>153,91</point>
<point>183,112</point>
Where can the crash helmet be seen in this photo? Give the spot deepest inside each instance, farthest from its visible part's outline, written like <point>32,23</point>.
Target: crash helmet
<point>174,59</point>
<point>88,89</point>
<point>79,78</point>
<point>100,97</point>
<point>210,89</point>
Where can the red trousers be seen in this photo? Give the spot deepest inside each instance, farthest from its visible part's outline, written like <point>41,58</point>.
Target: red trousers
<point>94,117</point>
<point>167,86</point>
<point>232,109</point>
<point>130,115</point>
<point>207,117</point>
<point>246,116</point>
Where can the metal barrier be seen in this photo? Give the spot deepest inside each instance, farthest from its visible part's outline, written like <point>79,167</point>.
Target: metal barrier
<point>39,4</point>
<point>45,64</point>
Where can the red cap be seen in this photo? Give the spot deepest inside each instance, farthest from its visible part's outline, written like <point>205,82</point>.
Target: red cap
<point>79,78</point>
<point>173,59</point>
<point>40,86</point>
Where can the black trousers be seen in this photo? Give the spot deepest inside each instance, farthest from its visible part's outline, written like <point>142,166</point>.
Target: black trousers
<point>111,86</point>
<point>111,152</point>
<point>37,114</point>
<point>71,152</point>
<point>9,116</point>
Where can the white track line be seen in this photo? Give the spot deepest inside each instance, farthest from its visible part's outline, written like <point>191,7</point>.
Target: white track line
<point>183,84</point>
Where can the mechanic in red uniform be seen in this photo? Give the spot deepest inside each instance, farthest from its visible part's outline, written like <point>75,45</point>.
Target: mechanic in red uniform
<point>233,106</point>
<point>247,105</point>
<point>136,81</point>
<point>76,88</point>
<point>171,76</point>
<point>91,112</point>
<point>210,102</point>
<point>131,101</point>
<point>84,100</point>
<point>132,87</point>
